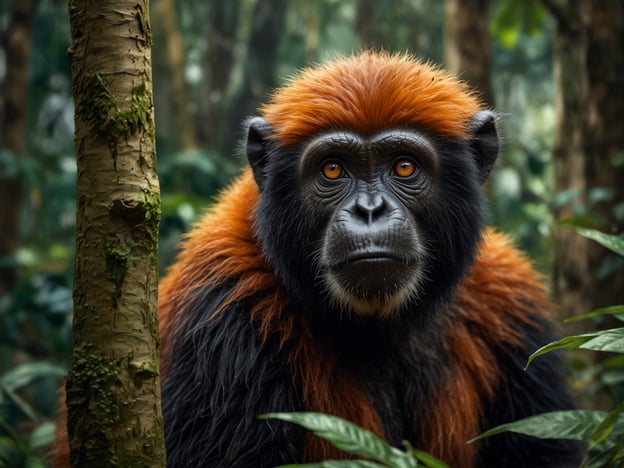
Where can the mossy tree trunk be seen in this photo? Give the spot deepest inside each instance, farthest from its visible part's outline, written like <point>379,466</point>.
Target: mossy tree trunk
<point>113,390</point>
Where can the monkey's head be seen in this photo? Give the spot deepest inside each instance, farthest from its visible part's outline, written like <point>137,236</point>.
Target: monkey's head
<point>369,170</point>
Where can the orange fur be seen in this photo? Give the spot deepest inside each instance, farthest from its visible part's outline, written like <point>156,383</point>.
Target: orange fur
<point>367,93</point>
<point>488,306</point>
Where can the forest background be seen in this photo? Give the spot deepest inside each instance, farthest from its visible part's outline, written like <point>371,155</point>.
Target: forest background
<point>552,69</point>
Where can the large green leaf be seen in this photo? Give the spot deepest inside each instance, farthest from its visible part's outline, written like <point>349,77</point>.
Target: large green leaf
<point>348,437</point>
<point>573,424</point>
<point>605,340</point>
<point>614,243</point>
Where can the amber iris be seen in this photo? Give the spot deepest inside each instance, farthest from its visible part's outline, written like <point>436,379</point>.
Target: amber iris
<point>404,168</point>
<point>333,170</point>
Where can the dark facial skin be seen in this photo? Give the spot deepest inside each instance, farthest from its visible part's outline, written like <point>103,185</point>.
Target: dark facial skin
<point>369,190</point>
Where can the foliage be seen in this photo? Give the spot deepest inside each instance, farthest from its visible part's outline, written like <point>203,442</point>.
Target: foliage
<point>356,441</point>
<point>17,449</point>
<point>603,431</point>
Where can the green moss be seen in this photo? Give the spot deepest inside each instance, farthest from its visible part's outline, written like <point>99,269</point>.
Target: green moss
<point>116,268</point>
<point>96,375</point>
<point>100,108</point>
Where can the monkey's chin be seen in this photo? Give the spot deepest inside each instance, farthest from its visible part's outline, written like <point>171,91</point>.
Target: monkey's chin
<point>373,287</point>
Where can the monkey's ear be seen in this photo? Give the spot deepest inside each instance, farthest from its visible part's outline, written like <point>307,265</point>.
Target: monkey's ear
<point>485,142</point>
<point>258,130</point>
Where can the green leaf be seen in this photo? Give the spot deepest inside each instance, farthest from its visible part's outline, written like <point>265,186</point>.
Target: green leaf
<point>43,435</point>
<point>18,402</point>
<point>337,464</point>
<point>614,243</point>
<point>613,310</point>
<point>24,374</point>
<point>605,340</point>
<point>605,428</point>
<point>348,437</point>
<point>429,460</point>
<point>574,424</point>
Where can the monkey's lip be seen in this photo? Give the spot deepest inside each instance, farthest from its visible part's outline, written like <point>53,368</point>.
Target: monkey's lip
<point>371,256</point>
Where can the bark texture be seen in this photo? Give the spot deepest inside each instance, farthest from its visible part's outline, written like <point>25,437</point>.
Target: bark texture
<point>113,390</point>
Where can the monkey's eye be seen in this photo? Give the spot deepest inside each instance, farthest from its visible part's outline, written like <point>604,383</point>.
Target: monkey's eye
<point>404,168</point>
<point>332,170</point>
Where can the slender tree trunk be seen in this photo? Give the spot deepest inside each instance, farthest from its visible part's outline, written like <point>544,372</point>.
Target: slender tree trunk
<point>366,25</point>
<point>113,390</point>
<point>589,71</point>
<point>605,138</point>
<point>218,64</point>
<point>17,45</point>
<point>467,50</point>
<point>267,28</point>
<point>571,274</point>
<point>185,127</point>
<point>590,105</point>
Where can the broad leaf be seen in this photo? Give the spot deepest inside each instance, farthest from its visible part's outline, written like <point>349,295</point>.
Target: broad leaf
<point>348,437</point>
<point>573,424</point>
<point>614,243</point>
<point>605,340</point>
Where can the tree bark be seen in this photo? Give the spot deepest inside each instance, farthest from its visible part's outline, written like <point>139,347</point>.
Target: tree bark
<point>218,65</point>
<point>467,50</point>
<point>113,389</point>
<point>267,28</point>
<point>17,44</point>
<point>589,71</point>
<point>176,64</point>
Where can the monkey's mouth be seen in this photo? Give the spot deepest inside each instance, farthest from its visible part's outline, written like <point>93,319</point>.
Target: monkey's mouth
<point>369,256</point>
<point>372,281</point>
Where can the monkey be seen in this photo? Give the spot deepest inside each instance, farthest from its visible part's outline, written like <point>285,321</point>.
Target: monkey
<point>348,270</point>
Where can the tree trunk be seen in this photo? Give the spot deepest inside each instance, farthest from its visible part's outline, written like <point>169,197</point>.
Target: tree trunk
<point>17,45</point>
<point>113,389</point>
<point>605,139</point>
<point>366,25</point>
<point>467,50</point>
<point>185,127</point>
<point>267,28</point>
<point>218,64</point>
<point>589,71</point>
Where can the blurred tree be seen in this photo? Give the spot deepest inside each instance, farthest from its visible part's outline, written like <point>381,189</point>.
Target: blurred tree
<point>167,18</point>
<point>589,167</point>
<point>17,44</point>
<point>467,50</point>
<point>113,389</point>
<point>219,59</point>
<point>259,67</point>
<point>367,25</point>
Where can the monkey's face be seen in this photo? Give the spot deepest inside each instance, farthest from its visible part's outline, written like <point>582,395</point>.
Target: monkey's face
<point>369,194</point>
<point>371,224</point>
